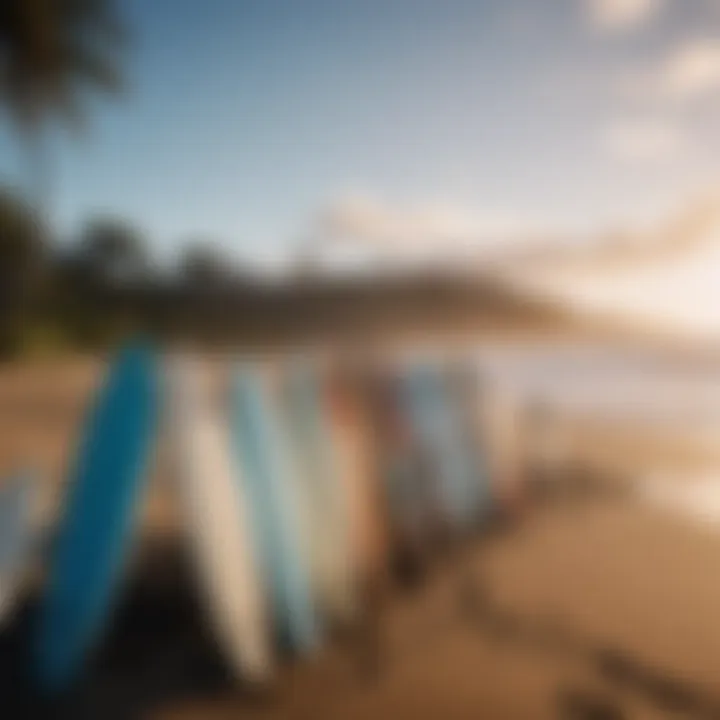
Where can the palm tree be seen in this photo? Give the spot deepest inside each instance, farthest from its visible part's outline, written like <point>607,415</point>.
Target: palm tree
<point>20,268</point>
<point>51,53</point>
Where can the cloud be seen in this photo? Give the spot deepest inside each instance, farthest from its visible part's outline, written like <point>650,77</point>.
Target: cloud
<point>669,273</point>
<point>356,229</point>
<point>365,219</point>
<point>692,70</point>
<point>618,15</point>
<point>643,140</point>
<point>692,231</point>
<point>689,72</point>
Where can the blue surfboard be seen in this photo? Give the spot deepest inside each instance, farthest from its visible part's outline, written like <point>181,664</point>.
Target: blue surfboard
<point>463,391</point>
<point>323,491</point>
<point>432,418</point>
<point>97,518</point>
<point>275,511</point>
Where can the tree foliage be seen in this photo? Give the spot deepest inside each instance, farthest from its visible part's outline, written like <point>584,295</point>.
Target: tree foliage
<point>113,252</point>
<point>203,266</point>
<point>52,52</point>
<point>21,264</point>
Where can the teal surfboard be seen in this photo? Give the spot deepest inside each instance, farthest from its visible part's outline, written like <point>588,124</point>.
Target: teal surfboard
<point>276,523</point>
<point>96,519</point>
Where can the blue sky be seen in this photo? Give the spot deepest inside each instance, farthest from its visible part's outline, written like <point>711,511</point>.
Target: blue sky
<point>248,123</point>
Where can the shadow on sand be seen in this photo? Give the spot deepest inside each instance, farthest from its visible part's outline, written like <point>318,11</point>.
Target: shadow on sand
<point>617,667</point>
<point>157,648</point>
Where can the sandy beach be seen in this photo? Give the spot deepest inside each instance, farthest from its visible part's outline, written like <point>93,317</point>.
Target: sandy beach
<point>594,604</point>
<point>595,607</point>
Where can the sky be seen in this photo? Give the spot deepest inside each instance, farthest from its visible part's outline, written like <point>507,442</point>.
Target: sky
<point>267,125</point>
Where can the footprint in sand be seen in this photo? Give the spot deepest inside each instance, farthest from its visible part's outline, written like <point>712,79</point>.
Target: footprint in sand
<point>585,705</point>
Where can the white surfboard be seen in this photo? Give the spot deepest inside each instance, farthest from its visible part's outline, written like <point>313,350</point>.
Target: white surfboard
<point>351,434</point>
<point>218,520</point>
<point>15,539</point>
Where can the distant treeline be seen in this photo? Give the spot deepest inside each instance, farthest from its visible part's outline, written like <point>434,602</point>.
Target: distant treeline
<point>88,292</point>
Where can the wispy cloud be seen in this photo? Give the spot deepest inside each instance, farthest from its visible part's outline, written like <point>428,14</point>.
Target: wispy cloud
<point>358,228</point>
<point>668,273</point>
<point>688,72</point>
<point>619,15</point>
<point>692,230</point>
<point>367,219</point>
<point>643,140</point>
<point>692,70</point>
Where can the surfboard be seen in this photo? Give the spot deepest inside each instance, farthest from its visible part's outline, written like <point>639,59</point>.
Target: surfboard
<point>353,436</point>
<point>426,399</point>
<point>404,475</point>
<point>96,519</point>
<point>271,492</point>
<point>16,538</point>
<point>465,400</point>
<point>218,519</point>
<point>323,493</point>
<point>501,426</point>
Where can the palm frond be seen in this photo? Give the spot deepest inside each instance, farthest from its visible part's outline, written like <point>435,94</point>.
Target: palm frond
<point>52,52</point>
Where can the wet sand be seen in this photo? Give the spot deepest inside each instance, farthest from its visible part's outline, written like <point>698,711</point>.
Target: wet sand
<point>592,606</point>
